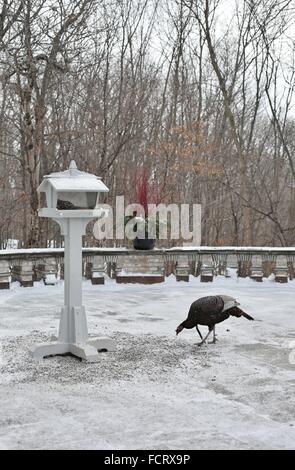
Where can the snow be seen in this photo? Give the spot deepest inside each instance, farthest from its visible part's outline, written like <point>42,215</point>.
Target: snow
<point>96,274</point>
<point>50,279</point>
<point>175,249</point>
<point>125,273</point>
<point>284,249</point>
<point>78,184</point>
<point>28,251</point>
<point>157,391</point>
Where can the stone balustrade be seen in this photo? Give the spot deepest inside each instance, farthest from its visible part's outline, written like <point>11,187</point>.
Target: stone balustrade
<point>126,265</point>
<point>256,269</point>
<point>95,269</point>
<point>182,268</point>
<point>22,271</point>
<point>5,274</point>
<point>140,269</point>
<point>47,271</point>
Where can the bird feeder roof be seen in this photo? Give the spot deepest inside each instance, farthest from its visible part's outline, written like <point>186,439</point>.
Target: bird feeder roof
<point>73,180</point>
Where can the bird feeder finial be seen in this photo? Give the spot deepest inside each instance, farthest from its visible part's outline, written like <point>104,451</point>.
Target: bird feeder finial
<point>72,166</point>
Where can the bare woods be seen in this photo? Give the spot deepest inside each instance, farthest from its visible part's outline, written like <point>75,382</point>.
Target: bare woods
<point>196,94</point>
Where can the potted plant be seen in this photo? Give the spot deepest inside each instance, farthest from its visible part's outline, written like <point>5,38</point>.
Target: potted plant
<point>142,225</point>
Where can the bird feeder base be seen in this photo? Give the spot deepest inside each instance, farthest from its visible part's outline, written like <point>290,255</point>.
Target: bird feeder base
<point>88,351</point>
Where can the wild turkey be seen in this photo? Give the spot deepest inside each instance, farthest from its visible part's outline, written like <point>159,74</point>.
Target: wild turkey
<point>209,311</point>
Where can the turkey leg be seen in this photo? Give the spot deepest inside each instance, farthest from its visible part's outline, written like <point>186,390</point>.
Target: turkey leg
<point>204,339</point>
<point>214,336</point>
<point>199,332</point>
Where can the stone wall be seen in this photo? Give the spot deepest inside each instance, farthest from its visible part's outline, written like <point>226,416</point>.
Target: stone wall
<point>148,267</point>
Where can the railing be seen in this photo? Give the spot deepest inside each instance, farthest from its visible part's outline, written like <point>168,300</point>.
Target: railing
<point>208,250</point>
<point>127,265</point>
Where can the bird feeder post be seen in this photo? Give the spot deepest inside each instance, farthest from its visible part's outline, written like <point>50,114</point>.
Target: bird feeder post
<point>73,326</point>
<point>72,198</point>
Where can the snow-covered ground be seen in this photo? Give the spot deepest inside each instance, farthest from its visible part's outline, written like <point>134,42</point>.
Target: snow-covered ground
<point>157,391</point>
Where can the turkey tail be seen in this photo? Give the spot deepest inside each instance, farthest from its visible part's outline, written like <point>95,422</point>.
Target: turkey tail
<point>247,316</point>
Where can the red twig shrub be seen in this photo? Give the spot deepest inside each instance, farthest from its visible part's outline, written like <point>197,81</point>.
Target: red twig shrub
<point>144,190</point>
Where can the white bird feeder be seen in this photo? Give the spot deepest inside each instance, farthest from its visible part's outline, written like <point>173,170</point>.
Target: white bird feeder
<point>72,201</point>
